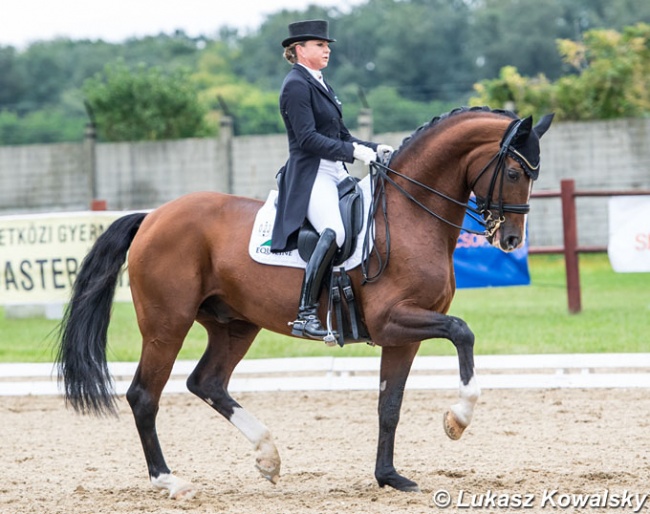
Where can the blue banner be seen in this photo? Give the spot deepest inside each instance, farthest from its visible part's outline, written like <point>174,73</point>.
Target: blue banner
<point>479,264</point>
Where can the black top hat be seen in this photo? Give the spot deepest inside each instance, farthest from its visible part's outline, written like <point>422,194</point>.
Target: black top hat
<point>307,30</point>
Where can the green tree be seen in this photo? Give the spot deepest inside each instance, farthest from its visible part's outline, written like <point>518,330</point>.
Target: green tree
<point>393,113</point>
<point>529,96</point>
<point>523,33</point>
<point>145,103</point>
<point>255,110</point>
<point>611,80</point>
<point>48,75</point>
<point>422,51</point>
<point>414,46</point>
<point>44,126</point>
<point>11,79</point>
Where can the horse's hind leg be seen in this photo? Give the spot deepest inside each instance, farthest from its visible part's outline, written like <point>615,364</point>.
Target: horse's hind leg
<point>156,362</point>
<point>227,345</point>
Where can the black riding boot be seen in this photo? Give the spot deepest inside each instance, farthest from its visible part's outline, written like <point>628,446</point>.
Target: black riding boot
<point>319,263</point>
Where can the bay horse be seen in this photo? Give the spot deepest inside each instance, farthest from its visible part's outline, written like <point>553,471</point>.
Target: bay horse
<point>187,261</point>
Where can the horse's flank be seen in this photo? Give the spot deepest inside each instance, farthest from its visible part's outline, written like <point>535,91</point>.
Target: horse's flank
<point>200,241</point>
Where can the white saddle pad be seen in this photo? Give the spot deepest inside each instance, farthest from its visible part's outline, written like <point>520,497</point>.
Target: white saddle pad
<point>259,247</point>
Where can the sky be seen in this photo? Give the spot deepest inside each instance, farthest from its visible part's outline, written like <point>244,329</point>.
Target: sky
<point>25,21</point>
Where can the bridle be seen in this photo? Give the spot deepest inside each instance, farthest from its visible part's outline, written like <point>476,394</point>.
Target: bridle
<point>485,204</point>
<point>380,174</point>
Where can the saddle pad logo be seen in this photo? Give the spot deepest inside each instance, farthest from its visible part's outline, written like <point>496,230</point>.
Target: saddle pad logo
<point>265,229</point>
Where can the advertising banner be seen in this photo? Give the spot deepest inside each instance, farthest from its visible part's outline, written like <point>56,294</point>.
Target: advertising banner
<point>41,253</point>
<point>479,264</point>
<point>629,233</point>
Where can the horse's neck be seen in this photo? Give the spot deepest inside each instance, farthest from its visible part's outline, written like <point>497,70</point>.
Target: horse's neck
<point>444,171</point>
<point>443,160</point>
<point>441,164</point>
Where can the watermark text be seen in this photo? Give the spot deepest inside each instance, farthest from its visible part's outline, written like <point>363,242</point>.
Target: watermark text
<point>547,499</point>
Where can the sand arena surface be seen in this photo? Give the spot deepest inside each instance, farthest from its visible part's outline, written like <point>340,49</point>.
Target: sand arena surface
<point>522,443</point>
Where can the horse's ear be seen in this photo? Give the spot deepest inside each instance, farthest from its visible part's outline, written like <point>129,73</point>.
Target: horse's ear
<point>523,131</point>
<point>543,125</point>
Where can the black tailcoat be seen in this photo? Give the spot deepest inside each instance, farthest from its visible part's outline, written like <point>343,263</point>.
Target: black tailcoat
<point>314,122</point>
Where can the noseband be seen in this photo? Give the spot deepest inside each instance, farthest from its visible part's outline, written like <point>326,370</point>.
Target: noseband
<point>482,213</point>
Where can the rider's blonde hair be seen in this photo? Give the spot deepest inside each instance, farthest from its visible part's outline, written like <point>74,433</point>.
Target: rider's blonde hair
<point>290,52</point>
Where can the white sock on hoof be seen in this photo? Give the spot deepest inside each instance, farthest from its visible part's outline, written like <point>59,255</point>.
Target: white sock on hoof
<point>178,488</point>
<point>464,409</point>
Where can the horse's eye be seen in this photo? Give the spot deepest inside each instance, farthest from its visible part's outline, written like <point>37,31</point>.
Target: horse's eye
<point>513,175</point>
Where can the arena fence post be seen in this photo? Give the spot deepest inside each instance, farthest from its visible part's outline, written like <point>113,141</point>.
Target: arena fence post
<point>570,229</point>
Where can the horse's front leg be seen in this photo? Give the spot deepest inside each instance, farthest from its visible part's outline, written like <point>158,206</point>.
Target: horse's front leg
<point>409,324</point>
<point>459,416</point>
<point>395,366</point>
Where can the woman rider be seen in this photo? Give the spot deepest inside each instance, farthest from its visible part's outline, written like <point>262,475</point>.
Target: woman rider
<point>319,145</point>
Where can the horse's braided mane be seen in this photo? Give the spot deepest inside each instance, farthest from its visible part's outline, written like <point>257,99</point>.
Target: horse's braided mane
<point>454,112</point>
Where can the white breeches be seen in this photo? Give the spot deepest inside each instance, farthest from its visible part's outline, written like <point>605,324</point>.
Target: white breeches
<point>323,211</point>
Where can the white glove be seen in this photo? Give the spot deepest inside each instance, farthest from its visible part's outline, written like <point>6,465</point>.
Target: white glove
<point>384,152</point>
<point>364,153</point>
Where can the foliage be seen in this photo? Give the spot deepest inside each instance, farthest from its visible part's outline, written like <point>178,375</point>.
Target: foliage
<point>512,91</point>
<point>611,79</point>
<point>392,113</point>
<point>254,111</point>
<point>409,56</point>
<point>40,87</point>
<point>45,126</point>
<point>145,104</point>
<point>428,59</point>
<point>507,320</point>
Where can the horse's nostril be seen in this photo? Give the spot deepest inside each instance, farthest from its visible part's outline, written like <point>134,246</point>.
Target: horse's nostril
<point>512,242</point>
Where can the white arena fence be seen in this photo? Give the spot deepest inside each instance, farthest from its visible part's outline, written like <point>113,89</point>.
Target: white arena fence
<point>546,371</point>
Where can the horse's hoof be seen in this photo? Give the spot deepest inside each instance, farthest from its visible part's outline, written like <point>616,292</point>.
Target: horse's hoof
<point>407,487</point>
<point>184,492</point>
<point>178,488</point>
<point>410,489</point>
<point>453,428</point>
<point>398,482</point>
<point>269,471</point>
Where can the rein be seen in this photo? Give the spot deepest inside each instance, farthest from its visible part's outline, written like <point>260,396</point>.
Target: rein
<point>482,213</point>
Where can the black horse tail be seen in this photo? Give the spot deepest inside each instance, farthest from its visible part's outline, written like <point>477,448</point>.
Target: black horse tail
<point>82,336</point>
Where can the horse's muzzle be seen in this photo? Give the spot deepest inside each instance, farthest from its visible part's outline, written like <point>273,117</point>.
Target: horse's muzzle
<point>511,243</point>
<point>504,241</point>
